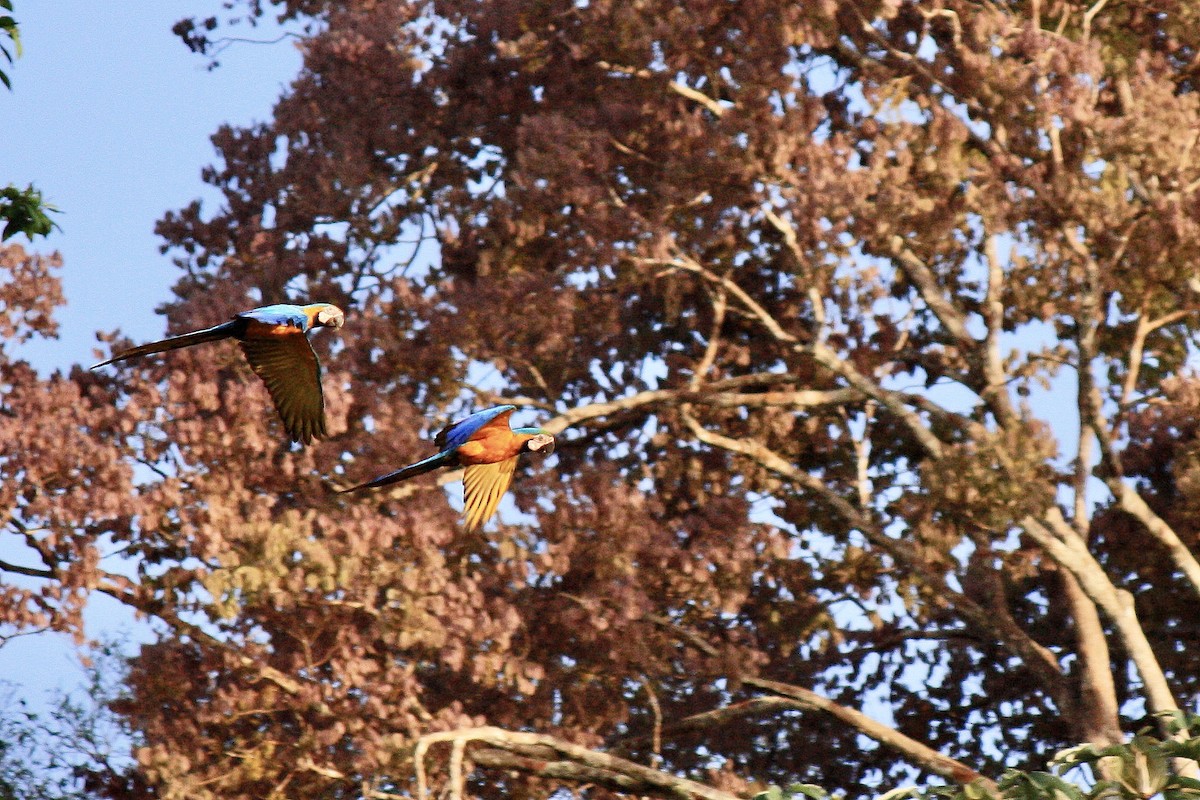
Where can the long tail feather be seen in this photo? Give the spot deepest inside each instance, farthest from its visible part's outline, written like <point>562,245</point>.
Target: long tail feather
<point>443,459</point>
<point>213,334</point>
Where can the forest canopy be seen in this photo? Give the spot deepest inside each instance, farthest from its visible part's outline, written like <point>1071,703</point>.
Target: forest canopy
<point>867,331</point>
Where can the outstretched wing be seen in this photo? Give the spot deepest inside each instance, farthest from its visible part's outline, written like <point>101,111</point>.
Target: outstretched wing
<point>290,369</point>
<point>464,430</point>
<point>483,486</point>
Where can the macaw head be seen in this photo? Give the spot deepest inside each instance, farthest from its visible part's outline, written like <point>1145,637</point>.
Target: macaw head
<point>540,442</point>
<point>328,316</point>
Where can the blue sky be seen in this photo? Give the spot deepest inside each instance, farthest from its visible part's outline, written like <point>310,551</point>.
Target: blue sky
<point>110,116</point>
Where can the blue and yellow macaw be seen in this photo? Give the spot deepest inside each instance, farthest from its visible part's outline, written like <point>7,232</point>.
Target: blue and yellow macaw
<point>488,448</point>
<point>273,339</point>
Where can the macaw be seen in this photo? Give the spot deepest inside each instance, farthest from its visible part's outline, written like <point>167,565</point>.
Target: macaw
<point>273,339</point>
<point>488,448</point>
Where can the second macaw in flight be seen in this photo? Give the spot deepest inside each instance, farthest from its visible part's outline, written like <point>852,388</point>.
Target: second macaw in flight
<point>273,339</point>
<point>487,447</point>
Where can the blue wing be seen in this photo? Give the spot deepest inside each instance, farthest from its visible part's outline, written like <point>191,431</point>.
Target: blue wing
<point>460,432</point>
<point>279,314</point>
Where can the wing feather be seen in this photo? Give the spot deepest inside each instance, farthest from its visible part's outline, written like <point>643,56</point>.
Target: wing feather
<point>290,369</point>
<point>483,486</point>
<point>456,434</point>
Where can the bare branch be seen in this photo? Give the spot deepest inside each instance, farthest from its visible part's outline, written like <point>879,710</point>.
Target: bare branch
<point>709,394</point>
<point>994,391</point>
<point>550,757</point>
<point>32,572</point>
<point>1098,694</point>
<point>153,608</point>
<point>1137,349</point>
<point>720,306</point>
<point>916,752</point>
<point>1061,543</point>
<point>713,106</point>
<point>1133,504</point>
<point>922,277</point>
<point>892,401</point>
<point>789,696</point>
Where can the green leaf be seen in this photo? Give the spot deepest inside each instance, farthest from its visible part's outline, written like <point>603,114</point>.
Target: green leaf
<point>24,211</point>
<point>1181,788</point>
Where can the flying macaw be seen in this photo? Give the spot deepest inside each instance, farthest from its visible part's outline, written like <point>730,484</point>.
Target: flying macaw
<point>273,339</point>
<point>488,448</point>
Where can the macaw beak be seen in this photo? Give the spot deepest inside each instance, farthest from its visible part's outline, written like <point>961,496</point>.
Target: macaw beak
<point>331,317</point>
<point>542,444</point>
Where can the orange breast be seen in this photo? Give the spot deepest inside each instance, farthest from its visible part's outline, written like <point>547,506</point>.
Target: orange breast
<point>490,448</point>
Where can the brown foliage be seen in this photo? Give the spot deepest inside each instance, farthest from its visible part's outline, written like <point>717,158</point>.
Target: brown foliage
<point>793,277</point>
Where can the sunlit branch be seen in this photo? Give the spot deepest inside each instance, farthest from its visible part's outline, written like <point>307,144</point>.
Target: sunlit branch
<point>1137,349</point>
<point>788,231</point>
<point>550,757</point>
<point>921,276</point>
<point>715,108</point>
<point>1088,16</point>
<point>1061,543</point>
<point>788,696</point>
<point>920,754</point>
<point>720,306</point>
<point>892,401</point>
<point>995,380</point>
<point>1092,414</point>
<point>708,394</point>
<point>862,457</point>
<point>1132,503</point>
<point>1098,693</point>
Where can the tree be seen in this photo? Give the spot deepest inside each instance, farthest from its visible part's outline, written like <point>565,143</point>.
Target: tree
<point>791,281</point>
<point>22,210</point>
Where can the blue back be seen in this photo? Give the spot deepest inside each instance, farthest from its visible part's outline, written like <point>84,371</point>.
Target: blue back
<point>460,432</point>
<point>278,314</point>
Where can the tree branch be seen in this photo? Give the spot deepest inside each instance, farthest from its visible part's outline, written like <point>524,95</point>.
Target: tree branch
<point>1040,660</point>
<point>923,278</point>
<point>920,754</point>
<point>788,696</point>
<point>707,394</point>
<point>826,357</point>
<point>549,757</point>
<point>713,106</point>
<point>1061,543</point>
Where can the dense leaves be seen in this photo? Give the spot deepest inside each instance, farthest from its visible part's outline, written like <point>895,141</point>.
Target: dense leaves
<point>865,327</point>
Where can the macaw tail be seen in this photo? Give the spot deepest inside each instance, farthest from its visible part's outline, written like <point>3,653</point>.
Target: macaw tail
<point>213,334</point>
<point>443,459</point>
